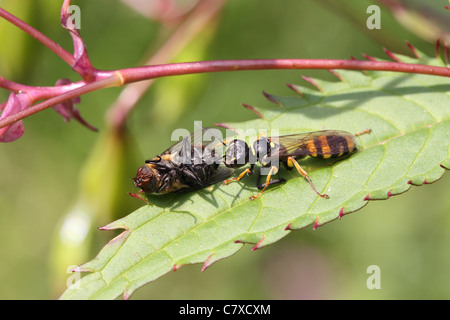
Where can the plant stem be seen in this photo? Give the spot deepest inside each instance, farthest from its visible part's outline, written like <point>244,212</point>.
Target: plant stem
<point>53,46</point>
<point>156,71</point>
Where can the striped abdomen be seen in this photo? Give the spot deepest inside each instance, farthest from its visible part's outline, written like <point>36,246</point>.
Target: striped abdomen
<point>331,145</point>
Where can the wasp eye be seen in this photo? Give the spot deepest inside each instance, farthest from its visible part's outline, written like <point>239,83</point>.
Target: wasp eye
<point>262,148</point>
<point>237,154</point>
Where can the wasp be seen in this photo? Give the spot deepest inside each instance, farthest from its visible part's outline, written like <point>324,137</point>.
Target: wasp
<point>183,167</point>
<point>287,149</point>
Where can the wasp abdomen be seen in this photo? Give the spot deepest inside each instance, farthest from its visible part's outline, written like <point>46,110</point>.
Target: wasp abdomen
<point>331,146</point>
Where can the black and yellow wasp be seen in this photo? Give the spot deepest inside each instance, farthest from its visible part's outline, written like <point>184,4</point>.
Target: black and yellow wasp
<point>287,149</point>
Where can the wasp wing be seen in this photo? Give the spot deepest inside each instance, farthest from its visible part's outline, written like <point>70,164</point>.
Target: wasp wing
<point>297,144</point>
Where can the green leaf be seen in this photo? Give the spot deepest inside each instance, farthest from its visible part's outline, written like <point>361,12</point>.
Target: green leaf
<point>409,145</point>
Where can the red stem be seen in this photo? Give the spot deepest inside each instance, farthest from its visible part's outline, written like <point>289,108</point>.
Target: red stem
<point>125,76</point>
<point>56,48</point>
<point>156,71</point>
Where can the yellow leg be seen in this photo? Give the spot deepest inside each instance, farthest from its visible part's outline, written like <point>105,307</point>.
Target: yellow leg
<point>273,170</point>
<point>293,162</point>
<point>238,178</point>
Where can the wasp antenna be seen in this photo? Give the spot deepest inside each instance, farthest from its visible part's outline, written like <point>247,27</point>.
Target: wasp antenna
<point>206,130</point>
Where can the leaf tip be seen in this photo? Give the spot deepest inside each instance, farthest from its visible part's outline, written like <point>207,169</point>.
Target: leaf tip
<point>207,262</point>
<point>413,49</point>
<point>176,267</point>
<point>253,109</point>
<point>312,82</point>
<point>341,212</point>
<point>259,243</point>
<point>316,223</point>
<point>288,227</point>
<point>271,98</point>
<point>295,89</point>
<point>391,55</point>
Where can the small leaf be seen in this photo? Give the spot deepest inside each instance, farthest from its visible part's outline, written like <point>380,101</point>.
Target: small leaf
<point>409,145</point>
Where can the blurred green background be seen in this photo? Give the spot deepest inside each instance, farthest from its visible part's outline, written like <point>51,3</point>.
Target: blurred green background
<point>57,170</point>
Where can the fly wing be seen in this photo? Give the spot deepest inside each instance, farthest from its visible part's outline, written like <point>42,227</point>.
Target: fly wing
<point>221,174</point>
<point>201,146</point>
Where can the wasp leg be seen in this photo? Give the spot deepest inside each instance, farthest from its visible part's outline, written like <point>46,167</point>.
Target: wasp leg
<point>272,171</point>
<point>292,162</point>
<point>248,171</point>
<point>263,185</point>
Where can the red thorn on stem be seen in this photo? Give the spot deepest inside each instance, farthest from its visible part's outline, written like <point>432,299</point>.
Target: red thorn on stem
<point>270,97</point>
<point>425,181</point>
<point>413,49</point>
<point>252,109</point>
<point>409,182</point>
<point>391,55</point>
<point>176,267</point>
<point>316,223</point>
<point>207,263</point>
<point>337,75</point>
<point>341,212</point>
<point>258,245</point>
<point>367,197</point>
<point>437,47</point>
<point>368,57</point>
<point>288,227</point>
<point>295,89</point>
<point>352,58</point>
<point>314,83</point>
